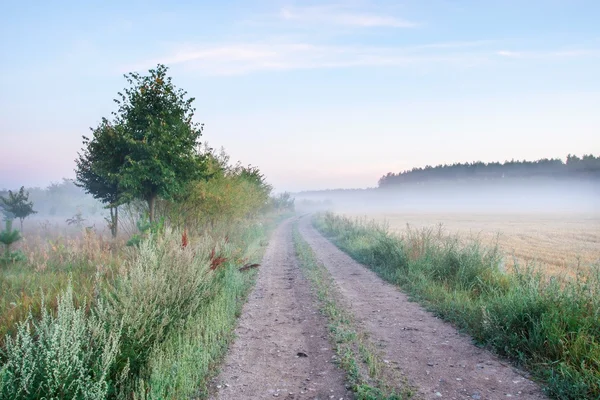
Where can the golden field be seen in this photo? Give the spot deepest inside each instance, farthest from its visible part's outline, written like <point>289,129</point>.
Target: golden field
<point>557,243</point>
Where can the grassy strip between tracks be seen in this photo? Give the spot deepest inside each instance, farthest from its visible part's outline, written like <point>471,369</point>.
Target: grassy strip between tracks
<point>369,376</point>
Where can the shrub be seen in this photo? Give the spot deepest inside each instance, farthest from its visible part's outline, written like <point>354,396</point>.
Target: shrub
<point>156,291</point>
<point>8,237</point>
<point>64,356</point>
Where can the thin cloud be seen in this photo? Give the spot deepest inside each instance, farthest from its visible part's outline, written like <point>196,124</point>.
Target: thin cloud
<point>548,54</point>
<point>506,53</point>
<point>333,15</point>
<point>243,58</point>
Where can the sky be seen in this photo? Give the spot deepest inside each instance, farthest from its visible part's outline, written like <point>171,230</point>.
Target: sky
<point>317,94</point>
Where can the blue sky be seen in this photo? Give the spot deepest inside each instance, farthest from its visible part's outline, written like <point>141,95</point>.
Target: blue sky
<point>316,94</point>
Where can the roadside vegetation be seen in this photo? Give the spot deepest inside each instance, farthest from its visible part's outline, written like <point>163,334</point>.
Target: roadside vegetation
<point>558,243</point>
<point>147,312</point>
<point>550,326</point>
<point>367,373</point>
<point>154,325</point>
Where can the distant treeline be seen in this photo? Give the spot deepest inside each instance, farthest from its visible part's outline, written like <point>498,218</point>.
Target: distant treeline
<point>61,199</point>
<point>586,167</point>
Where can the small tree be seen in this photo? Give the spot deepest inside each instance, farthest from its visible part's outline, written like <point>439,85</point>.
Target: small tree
<point>76,219</point>
<point>18,205</point>
<point>98,168</point>
<point>7,237</point>
<point>160,140</point>
<point>284,201</point>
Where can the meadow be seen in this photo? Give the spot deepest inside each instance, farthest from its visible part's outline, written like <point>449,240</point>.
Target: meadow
<point>76,296</point>
<point>558,243</point>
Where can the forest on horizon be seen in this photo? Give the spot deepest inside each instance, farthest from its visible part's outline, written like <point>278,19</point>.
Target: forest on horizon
<point>585,167</point>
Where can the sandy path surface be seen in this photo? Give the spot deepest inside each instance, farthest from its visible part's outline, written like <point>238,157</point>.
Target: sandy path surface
<point>434,357</point>
<point>279,322</point>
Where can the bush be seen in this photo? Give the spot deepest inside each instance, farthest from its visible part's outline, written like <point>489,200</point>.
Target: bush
<point>8,237</point>
<point>155,293</point>
<point>64,356</point>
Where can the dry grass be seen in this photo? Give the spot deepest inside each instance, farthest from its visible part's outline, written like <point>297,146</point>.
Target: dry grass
<point>558,243</point>
<point>51,262</point>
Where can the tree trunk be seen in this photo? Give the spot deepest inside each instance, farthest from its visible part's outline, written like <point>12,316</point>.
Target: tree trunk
<point>21,224</point>
<point>151,204</point>
<point>114,221</point>
<point>111,224</point>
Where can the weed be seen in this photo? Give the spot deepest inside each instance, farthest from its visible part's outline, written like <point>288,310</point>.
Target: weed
<point>64,356</point>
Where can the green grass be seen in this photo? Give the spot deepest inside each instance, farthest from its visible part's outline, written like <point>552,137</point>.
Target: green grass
<point>551,327</point>
<point>366,372</point>
<point>183,364</point>
<point>155,327</point>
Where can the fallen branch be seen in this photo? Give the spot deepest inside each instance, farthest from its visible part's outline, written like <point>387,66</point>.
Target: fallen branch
<point>249,266</point>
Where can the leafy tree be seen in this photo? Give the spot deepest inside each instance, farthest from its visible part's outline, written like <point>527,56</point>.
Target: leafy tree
<point>284,201</point>
<point>159,138</point>
<point>99,165</point>
<point>76,219</point>
<point>61,198</point>
<point>17,205</point>
<point>231,193</point>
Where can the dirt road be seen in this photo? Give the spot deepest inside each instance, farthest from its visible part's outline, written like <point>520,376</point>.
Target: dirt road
<point>282,349</point>
<point>280,321</point>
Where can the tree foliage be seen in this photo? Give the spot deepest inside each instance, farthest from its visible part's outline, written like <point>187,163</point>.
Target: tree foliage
<point>159,137</point>
<point>9,236</point>
<point>149,149</point>
<point>98,168</point>
<point>586,167</point>
<point>283,202</point>
<point>231,193</point>
<point>61,198</point>
<point>17,205</point>
<point>99,163</point>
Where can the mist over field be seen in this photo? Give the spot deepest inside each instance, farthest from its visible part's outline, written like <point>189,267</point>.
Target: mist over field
<point>527,196</point>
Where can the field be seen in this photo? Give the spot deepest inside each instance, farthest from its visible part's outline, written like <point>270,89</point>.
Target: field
<point>557,243</point>
<point>550,326</point>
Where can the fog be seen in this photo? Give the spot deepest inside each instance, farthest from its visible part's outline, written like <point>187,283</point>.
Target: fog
<point>62,208</point>
<point>63,201</point>
<point>514,196</point>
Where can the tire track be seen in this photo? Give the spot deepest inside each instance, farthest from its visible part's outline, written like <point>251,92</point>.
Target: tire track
<point>278,326</point>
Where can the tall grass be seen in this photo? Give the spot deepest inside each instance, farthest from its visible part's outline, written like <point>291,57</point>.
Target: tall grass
<point>155,329</point>
<point>181,365</point>
<point>51,263</point>
<point>550,326</point>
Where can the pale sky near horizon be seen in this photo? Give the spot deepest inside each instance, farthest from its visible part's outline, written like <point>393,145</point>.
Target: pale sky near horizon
<point>325,94</point>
